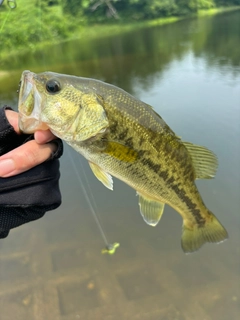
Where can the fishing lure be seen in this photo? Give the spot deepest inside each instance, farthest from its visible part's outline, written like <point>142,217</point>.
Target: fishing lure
<point>111,248</point>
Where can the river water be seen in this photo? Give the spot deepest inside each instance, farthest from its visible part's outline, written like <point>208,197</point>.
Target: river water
<point>53,268</point>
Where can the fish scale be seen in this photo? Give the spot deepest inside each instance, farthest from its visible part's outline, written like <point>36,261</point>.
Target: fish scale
<point>124,137</point>
<point>132,174</point>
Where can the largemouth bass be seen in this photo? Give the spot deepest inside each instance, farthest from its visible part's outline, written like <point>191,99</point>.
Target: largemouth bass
<point>124,137</point>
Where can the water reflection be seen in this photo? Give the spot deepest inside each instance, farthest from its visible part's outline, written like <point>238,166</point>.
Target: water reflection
<point>53,268</point>
<point>142,53</point>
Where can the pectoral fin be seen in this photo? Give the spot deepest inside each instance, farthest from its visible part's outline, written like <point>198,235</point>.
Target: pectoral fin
<point>102,176</point>
<point>151,210</point>
<point>204,161</point>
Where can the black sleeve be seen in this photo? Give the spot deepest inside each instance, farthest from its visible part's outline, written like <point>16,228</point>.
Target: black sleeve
<point>27,196</point>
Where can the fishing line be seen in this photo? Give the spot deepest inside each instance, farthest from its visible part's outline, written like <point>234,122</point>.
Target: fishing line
<point>90,193</point>
<point>4,22</point>
<point>87,197</point>
<point>110,248</point>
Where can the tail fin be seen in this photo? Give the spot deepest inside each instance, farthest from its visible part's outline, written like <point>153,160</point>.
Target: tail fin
<point>194,238</point>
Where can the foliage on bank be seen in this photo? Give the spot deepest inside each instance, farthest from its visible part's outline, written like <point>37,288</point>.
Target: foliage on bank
<point>34,22</point>
<point>103,10</point>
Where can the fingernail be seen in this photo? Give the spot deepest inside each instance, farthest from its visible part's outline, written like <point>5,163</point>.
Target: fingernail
<point>6,167</point>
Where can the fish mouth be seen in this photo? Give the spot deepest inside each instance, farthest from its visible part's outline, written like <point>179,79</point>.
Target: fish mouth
<point>29,105</point>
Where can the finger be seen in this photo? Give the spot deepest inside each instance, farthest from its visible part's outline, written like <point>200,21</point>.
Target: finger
<point>42,137</point>
<point>25,157</point>
<point>12,117</point>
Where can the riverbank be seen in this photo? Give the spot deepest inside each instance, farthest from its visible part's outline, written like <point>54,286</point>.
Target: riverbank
<point>100,31</point>
<point>214,11</point>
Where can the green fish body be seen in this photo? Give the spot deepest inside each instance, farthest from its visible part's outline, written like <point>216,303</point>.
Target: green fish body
<point>124,137</point>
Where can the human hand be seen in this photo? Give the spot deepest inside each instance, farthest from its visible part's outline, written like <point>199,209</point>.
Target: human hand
<point>27,196</point>
<point>29,154</point>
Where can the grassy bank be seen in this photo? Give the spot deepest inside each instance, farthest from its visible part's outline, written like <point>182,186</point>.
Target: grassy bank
<point>97,31</point>
<point>80,32</point>
<point>100,31</point>
<point>214,11</point>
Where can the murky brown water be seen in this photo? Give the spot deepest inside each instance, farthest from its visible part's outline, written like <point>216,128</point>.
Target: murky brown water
<point>53,268</point>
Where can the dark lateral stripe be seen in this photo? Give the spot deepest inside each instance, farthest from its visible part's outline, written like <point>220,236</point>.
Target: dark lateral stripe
<point>129,143</point>
<point>123,134</point>
<point>179,192</point>
<point>151,165</point>
<point>113,127</point>
<point>192,206</point>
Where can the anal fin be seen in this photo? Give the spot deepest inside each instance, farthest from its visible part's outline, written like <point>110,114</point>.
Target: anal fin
<point>150,210</point>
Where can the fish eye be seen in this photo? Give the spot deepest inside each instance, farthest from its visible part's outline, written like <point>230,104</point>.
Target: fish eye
<point>53,86</point>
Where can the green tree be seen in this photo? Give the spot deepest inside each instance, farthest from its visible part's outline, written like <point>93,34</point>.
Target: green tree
<point>72,7</point>
<point>160,8</point>
<point>227,2</point>
<point>102,10</point>
<point>206,4</point>
<point>185,7</point>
